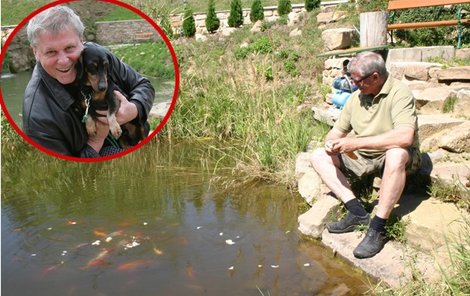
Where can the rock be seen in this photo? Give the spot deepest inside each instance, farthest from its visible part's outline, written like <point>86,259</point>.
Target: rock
<point>256,27</point>
<point>337,38</point>
<point>313,221</point>
<point>433,224</point>
<point>295,33</point>
<point>330,16</point>
<point>200,37</point>
<point>159,110</point>
<point>228,31</point>
<point>462,53</point>
<point>431,100</point>
<point>454,73</point>
<point>462,101</point>
<point>412,70</point>
<point>431,124</point>
<point>293,18</point>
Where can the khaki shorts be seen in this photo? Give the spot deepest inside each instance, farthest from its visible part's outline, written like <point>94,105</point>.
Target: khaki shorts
<point>364,166</point>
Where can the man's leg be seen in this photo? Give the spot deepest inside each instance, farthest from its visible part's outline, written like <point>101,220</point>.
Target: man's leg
<point>393,182</point>
<point>328,168</point>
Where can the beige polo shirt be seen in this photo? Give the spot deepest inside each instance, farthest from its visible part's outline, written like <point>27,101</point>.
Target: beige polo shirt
<point>365,116</point>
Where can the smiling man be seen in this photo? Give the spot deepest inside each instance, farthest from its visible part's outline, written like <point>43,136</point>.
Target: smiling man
<point>380,119</point>
<point>52,113</point>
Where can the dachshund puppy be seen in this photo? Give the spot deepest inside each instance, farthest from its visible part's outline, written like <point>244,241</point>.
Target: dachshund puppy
<point>97,91</point>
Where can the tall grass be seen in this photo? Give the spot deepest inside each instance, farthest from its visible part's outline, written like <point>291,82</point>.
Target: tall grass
<point>235,100</point>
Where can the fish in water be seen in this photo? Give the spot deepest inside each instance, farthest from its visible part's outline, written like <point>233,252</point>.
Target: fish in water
<point>98,260</point>
<point>133,264</point>
<point>52,268</point>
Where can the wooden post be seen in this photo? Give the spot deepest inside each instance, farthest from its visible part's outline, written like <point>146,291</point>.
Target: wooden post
<point>373,28</point>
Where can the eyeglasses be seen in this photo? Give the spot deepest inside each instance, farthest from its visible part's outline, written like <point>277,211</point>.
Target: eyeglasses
<point>356,82</point>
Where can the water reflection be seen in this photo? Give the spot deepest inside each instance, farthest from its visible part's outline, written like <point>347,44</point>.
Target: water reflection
<point>153,223</point>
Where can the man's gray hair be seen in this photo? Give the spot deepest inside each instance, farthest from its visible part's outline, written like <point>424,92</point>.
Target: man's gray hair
<point>54,20</point>
<point>366,63</point>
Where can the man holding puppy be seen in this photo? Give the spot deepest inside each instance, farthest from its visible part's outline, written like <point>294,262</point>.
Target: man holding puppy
<point>52,116</point>
<point>382,121</point>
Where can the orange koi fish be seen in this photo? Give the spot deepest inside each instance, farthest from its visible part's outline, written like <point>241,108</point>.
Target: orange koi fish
<point>98,260</point>
<point>133,265</point>
<point>99,233</point>
<point>52,268</point>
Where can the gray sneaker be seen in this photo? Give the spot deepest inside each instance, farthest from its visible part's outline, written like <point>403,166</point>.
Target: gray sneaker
<point>348,223</point>
<point>371,244</point>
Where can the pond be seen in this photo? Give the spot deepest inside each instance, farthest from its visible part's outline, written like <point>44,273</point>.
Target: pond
<point>164,220</point>
<point>14,85</point>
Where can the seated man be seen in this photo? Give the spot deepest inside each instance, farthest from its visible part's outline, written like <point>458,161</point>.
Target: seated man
<point>52,113</point>
<point>382,119</point>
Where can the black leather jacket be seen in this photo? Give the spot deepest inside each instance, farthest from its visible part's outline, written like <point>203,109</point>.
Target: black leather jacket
<point>52,115</point>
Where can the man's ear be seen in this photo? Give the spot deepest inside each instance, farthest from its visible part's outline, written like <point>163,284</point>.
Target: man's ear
<point>35,52</point>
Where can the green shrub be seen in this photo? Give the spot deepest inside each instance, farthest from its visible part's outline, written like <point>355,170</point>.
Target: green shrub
<point>311,4</point>
<point>212,21</point>
<point>189,25</point>
<point>284,7</point>
<point>235,19</point>
<point>165,24</point>
<point>257,11</point>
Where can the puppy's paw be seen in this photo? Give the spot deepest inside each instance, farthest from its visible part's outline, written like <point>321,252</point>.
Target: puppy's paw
<point>90,127</point>
<point>115,130</point>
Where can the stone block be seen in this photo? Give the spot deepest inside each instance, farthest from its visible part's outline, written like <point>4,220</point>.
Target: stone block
<point>454,73</point>
<point>433,224</point>
<point>462,53</point>
<point>431,124</point>
<point>309,186</point>
<point>431,100</point>
<point>313,221</point>
<point>337,38</point>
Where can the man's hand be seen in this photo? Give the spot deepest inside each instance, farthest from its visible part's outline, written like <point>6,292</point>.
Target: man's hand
<point>102,129</point>
<point>127,111</point>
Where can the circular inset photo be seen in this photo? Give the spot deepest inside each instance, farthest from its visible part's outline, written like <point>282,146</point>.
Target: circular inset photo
<point>87,80</point>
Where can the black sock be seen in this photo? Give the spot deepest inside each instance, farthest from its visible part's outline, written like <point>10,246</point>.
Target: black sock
<point>378,224</point>
<point>355,207</point>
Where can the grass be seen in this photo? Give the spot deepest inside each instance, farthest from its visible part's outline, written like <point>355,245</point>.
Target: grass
<point>249,100</point>
<point>150,58</point>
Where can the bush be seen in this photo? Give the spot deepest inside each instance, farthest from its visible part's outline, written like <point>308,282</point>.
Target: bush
<point>235,18</point>
<point>189,25</point>
<point>212,21</point>
<point>257,11</point>
<point>284,7</point>
<point>311,4</point>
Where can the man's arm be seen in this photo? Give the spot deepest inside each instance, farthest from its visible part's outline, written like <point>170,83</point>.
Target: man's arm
<point>400,137</point>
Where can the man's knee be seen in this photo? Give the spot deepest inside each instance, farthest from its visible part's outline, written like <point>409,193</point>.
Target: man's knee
<point>397,158</point>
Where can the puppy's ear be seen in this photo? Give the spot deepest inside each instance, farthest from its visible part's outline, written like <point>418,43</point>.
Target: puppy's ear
<point>79,68</point>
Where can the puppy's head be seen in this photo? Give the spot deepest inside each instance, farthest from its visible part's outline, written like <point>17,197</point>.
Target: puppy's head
<point>95,65</point>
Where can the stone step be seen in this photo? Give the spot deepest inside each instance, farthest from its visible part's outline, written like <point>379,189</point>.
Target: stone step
<point>430,124</point>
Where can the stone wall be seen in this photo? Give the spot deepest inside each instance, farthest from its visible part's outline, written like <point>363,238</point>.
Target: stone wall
<point>122,32</point>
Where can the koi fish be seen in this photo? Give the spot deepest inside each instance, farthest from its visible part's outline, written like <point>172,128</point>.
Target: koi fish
<point>71,222</point>
<point>52,268</point>
<point>133,265</point>
<point>99,233</point>
<point>157,251</point>
<point>98,260</point>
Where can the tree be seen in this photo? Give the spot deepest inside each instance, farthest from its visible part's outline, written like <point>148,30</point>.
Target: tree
<point>212,21</point>
<point>284,7</point>
<point>235,19</point>
<point>189,25</point>
<point>257,11</point>
<point>311,4</point>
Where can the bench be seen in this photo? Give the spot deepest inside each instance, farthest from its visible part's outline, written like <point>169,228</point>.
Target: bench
<point>394,5</point>
<point>143,36</point>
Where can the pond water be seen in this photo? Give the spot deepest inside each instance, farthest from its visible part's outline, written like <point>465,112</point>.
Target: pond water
<point>164,220</point>
<point>14,85</point>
